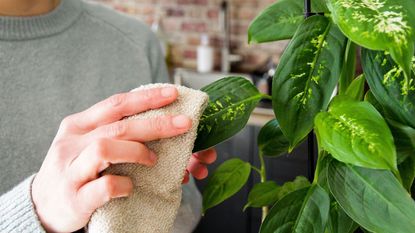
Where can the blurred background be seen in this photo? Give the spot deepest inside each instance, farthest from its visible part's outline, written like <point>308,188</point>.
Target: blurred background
<point>205,40</point>
<point>183,22</point>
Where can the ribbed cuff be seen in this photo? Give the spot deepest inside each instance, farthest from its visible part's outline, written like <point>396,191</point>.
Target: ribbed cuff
<point>17,212</point>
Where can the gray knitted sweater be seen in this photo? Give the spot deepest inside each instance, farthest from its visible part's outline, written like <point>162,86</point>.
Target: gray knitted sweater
<point>55,65</point>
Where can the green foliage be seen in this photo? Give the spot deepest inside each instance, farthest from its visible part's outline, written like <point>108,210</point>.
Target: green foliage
<point>298,183</point>
<point>404,137</point>
<point>378,25</point>
<point>354,132</point>
<point>306,76</point>
<point>339,221</point>
<point>356,88</point>
<point>227,180</point>
<point>231,101</point>
<point>263,194</point>
<point>387,83</point>
<point>349,67</point>
<point>267,193</point>
<point>284,213</point>
<point>373,198</point>
<point>305,210</point>
<point>366,161</point>
<point>280,20</point>
<point>271,140</point>
<point>407,170</point>
<point>369,97</point>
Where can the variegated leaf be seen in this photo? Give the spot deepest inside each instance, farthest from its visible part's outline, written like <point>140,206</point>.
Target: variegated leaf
<point>306,76</point>
<point>379,25</point>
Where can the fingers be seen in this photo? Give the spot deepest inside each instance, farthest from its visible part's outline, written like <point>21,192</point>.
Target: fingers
<point>104,152</point>
<point>186,177</point>
<point>197,169</point>
<point>118,106</point>
<point>197,164</point>
<point>142,130</point>
<point>98,192</point>
<point>206,156</point>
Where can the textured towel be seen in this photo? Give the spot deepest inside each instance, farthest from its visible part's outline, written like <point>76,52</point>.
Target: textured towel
<point>153,205</point>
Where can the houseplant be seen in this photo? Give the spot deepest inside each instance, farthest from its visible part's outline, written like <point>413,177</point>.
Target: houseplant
<point>366,139</point>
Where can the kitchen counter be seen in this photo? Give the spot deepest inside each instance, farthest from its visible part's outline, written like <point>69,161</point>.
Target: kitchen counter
<point>260,116</point>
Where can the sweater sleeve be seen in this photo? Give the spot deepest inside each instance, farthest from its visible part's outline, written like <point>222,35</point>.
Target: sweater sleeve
<point>17,213</point>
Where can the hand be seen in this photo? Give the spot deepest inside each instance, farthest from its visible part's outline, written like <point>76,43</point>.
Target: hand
<point>197,164</point>
<point>68,187</point>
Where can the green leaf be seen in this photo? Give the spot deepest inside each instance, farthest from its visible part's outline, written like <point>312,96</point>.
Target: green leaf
<point>271,140</point>
<point>280,20</point>
<point>306,76</point>
<point>387,83</point>
<point>403,135</point>
<point>339,221</point>
<point>321,170</point>
<point>231,101</point>
<point>407,170</point>
<point>356,88</point>
<point>305,210</point>
<point>284,213</point>
<point>263,194</point>
<point>373,198</point>
<point>349,67</point>
<point>404,138</point>
<point>269,192</point>
<point>370,98</point>
<point>364,230</point>
<point>298,183</point>
<point>227,180</point>
<point>379,25</point>
<point>354,132</point>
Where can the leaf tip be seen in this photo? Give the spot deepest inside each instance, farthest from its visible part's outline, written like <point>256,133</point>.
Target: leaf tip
<point>245,207</point>
<point>251,39</point>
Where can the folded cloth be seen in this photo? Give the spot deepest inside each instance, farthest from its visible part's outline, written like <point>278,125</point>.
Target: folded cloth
<point>153,205</point>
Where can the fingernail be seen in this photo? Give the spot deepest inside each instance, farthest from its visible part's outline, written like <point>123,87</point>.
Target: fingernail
<point>167,92</point>
<point>181,121</point>
<point>153,156</point>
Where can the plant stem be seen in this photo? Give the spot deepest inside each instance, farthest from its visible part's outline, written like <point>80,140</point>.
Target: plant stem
<point>263,174</point>
<point>321,155</point>
<point>256,169</point>
<point>263,171</point>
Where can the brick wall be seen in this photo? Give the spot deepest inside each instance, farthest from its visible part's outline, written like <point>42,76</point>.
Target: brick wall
<point>185,20</point>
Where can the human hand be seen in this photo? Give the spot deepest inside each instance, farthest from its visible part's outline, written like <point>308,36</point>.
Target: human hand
<point>68,187</point>
<point>198,164</point>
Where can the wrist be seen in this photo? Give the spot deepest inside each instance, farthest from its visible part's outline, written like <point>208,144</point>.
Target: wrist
<point>36,203</point>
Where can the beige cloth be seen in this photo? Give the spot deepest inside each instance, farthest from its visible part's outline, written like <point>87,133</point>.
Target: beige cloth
<point>156,198</point>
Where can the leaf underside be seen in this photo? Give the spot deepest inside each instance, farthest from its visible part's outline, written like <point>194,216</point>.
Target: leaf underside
<point>228,179</point>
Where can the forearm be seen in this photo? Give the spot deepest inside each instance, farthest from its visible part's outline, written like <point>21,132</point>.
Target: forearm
<point>17,212</point>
